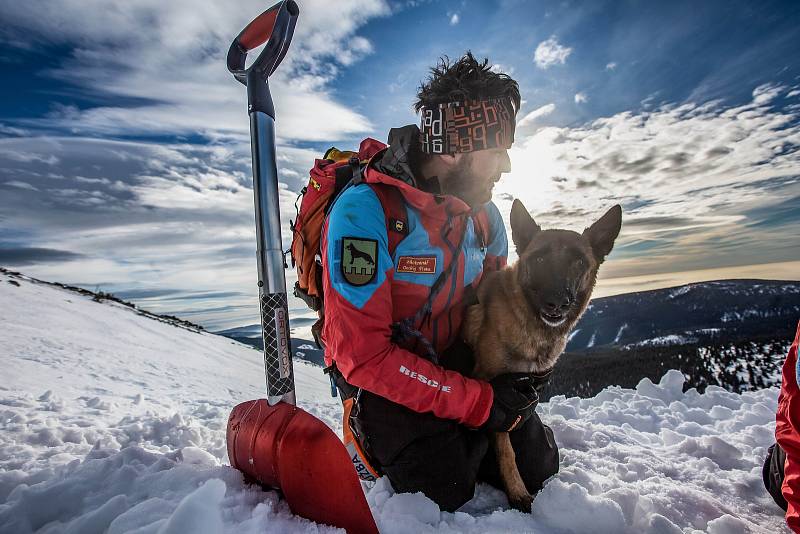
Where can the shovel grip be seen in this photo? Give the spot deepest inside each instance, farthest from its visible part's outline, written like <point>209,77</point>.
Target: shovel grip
<point>277,345</point>
<point>260,29</point>
<point>275,26</point>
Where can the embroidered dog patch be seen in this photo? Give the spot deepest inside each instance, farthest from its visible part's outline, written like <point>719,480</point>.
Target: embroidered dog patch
<point>359,259</point>
<point>416,264</point>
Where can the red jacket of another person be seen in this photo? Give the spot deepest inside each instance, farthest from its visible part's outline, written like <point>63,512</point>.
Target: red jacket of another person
<point>787,433</point>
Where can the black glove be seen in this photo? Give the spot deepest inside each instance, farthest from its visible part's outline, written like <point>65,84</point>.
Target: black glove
<point>515,400</point>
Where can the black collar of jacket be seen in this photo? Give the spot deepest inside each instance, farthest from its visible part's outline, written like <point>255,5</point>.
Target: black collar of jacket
<point>395,160</point>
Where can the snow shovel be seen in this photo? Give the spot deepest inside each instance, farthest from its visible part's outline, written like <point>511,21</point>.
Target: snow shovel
<point>272,441</point>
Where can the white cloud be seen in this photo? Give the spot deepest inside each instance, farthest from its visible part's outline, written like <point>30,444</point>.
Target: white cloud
<point>454,19</point>
<point>10,130</point>
<point>497,67</point>
<point>19,185</point>
<point>174,216</point>
<point>171,55</point>
<point>611,66</point>
<point>793,93</point>
<point>185,222</point>
<point>23,156</point>
<point>550,53</point>
<point>542,111</point>
<point>698,183</point>
<point>766,93</point>
<point>581,98</point>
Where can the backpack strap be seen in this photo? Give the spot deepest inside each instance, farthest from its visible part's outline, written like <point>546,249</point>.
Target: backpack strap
<point>406,329</point>
<point>342,176</point>
<point>395,213</point>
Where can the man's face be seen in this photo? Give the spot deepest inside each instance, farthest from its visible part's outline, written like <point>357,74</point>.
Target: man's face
<point>474,174</point>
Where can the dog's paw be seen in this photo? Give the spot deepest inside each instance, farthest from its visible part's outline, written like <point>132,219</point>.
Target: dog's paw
<point>521,502</point>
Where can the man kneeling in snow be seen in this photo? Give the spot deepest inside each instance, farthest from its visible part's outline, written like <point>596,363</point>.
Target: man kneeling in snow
<point>782,467</point>
<point>420,424</point>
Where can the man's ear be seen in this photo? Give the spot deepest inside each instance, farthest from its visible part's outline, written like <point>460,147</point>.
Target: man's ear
<point>523,227</point>
<point>604,232</point>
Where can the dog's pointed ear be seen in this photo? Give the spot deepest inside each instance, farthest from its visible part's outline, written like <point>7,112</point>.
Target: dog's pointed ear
<point>604,232</point>
<point>523,227</point>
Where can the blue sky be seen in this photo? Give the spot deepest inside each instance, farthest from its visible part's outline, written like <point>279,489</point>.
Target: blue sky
<point>124,156</point>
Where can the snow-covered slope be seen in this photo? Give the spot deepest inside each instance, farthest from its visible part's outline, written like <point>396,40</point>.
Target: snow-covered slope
<point>113,422</point>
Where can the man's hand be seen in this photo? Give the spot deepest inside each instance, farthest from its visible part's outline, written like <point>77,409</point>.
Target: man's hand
<point>515,400</point>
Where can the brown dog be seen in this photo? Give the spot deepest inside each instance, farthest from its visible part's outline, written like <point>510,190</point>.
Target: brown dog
<point>526,311</point>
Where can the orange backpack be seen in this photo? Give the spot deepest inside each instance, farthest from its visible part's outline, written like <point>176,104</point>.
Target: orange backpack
<point>328,178</point>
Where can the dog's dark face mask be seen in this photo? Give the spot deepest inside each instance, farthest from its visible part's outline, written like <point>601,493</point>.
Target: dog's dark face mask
<point>558,268</point>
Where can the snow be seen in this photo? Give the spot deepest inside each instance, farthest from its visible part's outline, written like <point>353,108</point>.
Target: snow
<point>671,339</point>
<point>619,332</point>
<point>591,340</point>
<point>113,422</point>
<point>707,331</point>
<point>750,363</point>
<point>750,315</point>
<point>680,291</point>
<point>573,334</point>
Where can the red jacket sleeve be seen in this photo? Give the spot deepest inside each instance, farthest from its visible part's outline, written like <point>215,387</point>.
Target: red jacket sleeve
<point>358,317</point>
<point>787,433</point>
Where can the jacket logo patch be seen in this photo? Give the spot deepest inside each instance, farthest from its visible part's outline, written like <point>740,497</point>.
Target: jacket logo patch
<point>359,259</point>
<point>416,264</point>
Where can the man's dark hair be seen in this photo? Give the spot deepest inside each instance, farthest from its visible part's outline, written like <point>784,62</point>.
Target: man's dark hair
<point>465,79</point>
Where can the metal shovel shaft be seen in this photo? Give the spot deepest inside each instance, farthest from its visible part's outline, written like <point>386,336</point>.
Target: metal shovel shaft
<point>271,278</point>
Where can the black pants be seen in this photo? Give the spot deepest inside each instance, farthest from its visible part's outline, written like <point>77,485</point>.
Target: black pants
<point>773,474</point>
<point>442,459</point>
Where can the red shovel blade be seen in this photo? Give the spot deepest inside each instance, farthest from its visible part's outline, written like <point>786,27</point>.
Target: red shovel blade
<point>284,447</point>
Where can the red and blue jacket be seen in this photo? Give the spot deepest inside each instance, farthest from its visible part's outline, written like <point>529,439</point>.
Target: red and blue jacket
<point>363,300</point>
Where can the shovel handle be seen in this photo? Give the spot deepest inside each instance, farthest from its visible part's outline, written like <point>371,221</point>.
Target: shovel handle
<point>275,26</point>
<point>271,276</point>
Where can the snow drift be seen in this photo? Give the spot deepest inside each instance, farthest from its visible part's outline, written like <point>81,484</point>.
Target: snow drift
<point>113,422</point>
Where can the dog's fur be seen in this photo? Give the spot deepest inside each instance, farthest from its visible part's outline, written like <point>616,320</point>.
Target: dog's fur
<point>526,311</point>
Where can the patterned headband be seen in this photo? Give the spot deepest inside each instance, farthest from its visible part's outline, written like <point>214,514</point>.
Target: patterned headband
<point>467,126</point>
